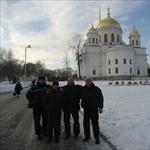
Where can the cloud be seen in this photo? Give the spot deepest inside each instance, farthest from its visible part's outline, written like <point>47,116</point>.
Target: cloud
<point>48,26</point>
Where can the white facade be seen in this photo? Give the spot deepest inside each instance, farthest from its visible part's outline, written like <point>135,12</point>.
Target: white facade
<point>105,55</point>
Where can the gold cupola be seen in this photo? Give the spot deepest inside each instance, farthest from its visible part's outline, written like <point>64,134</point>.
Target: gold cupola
<point>108,22</point>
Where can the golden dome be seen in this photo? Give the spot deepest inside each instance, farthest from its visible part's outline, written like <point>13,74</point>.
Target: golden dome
<point>92,29</point>
<point>134,32</point>
<point>107,22</point>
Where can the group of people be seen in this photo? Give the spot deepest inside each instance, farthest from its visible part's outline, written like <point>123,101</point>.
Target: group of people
<point>49,102</point>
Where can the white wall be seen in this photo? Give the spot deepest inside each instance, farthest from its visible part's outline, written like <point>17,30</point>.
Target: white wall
<point>120,52</point>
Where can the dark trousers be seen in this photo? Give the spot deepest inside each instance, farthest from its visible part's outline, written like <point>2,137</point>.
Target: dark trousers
<point>54,123</point>
<point>76,125</point>
<point>38,114</point>
<point>93,117</point>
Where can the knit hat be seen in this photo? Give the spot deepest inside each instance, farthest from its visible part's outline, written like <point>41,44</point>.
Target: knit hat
<point>41,78</point>
<point>88,79</point>
<point>55,83</point>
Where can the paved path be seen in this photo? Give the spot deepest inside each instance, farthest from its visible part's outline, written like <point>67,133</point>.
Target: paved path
<point>17,133</point>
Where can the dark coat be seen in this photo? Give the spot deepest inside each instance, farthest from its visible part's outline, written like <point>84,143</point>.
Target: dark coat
<point>71,97</point>
<point>36,95</point>
<point>92,98</point>
<point>18,88</point>
<point>54,101</point>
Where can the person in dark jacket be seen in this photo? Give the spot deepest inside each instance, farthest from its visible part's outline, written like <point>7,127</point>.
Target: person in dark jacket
<point>54,106</point>
<point>36,96</point>
<point>18,89</point>
<point>71,101</point>
<point>92,103</point>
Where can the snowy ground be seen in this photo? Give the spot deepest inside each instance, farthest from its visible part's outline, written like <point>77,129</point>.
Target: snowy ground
<point>126,117</point>
<point>6,87</point>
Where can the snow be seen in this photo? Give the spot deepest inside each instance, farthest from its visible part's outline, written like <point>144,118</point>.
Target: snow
<point>125,120</point>
<point>6,87</point>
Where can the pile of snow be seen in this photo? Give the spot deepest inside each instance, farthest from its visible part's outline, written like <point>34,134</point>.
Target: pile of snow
<point>5,86</point>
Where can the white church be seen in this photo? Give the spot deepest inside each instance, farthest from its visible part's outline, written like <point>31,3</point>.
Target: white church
<point>106,56</point>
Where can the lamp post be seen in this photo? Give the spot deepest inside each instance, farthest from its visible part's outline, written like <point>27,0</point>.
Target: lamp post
<point>25,71</point>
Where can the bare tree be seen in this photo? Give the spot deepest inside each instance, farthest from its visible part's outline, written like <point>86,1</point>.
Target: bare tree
<point>76,44</point>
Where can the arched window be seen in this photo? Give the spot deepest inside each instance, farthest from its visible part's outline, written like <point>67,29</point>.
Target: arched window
<point>118,38</point>
<point>132,42</point>
<point>116,70</point>
<point>94,72</point>
<point>124,61</point>
<point>99,38</point>
<point>130,70</point>
<point>116,61</point>
<point>105,38</point>
<point>112,38</point>
<point>130,61</point>
<point>93,40</point>
<point>96,40</point>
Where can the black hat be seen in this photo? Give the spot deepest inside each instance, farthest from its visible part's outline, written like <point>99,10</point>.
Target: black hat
<point>41,77</point>
<point>88,79</point>
<point>55,83</point>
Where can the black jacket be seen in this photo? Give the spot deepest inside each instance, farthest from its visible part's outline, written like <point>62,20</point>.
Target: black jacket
<point>36,95</point>
<point>18,88</point>
<point>71,97</point>
<point>54,101</point>
<point>92,98</point>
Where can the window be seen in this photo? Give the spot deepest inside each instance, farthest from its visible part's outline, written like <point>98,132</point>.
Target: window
<point>124,61</point>
<point>138,72</point>
<point>105,38</point>
<point>109,71</point>
<point>130,61</point>
<point>116,61</point>
<point>109,62</point>
<point>130,70</point>
<point>116,70</point>
<point>93,40</point>
<point>96,40</point>
<point>112,38</point>
<point>94,72</point>
<point>89,40</point>
<point>136,42</point>
<point>99,38</point>
<point>132,42</point>
<point>118,38</point>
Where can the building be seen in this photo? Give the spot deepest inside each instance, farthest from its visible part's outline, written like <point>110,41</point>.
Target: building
<point>106,56</point>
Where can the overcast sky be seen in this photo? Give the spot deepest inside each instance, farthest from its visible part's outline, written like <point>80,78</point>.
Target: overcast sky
<point>48,25</point>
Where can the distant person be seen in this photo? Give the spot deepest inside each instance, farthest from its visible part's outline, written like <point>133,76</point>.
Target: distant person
<point>54,106</point>
<point>18,89</point>
<point>92,103</point>
<point>71,106</point>
<point>33,82</point>
<point>36,96</point>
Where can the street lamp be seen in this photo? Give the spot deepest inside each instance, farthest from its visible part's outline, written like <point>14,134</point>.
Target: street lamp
<point>25,71</point>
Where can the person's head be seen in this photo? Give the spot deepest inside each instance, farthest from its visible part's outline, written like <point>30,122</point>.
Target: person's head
<point>55,85</point>
<point>88,82</point>
<point>70,81</point>
<point>41,80</point>
<point>33,82</point>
